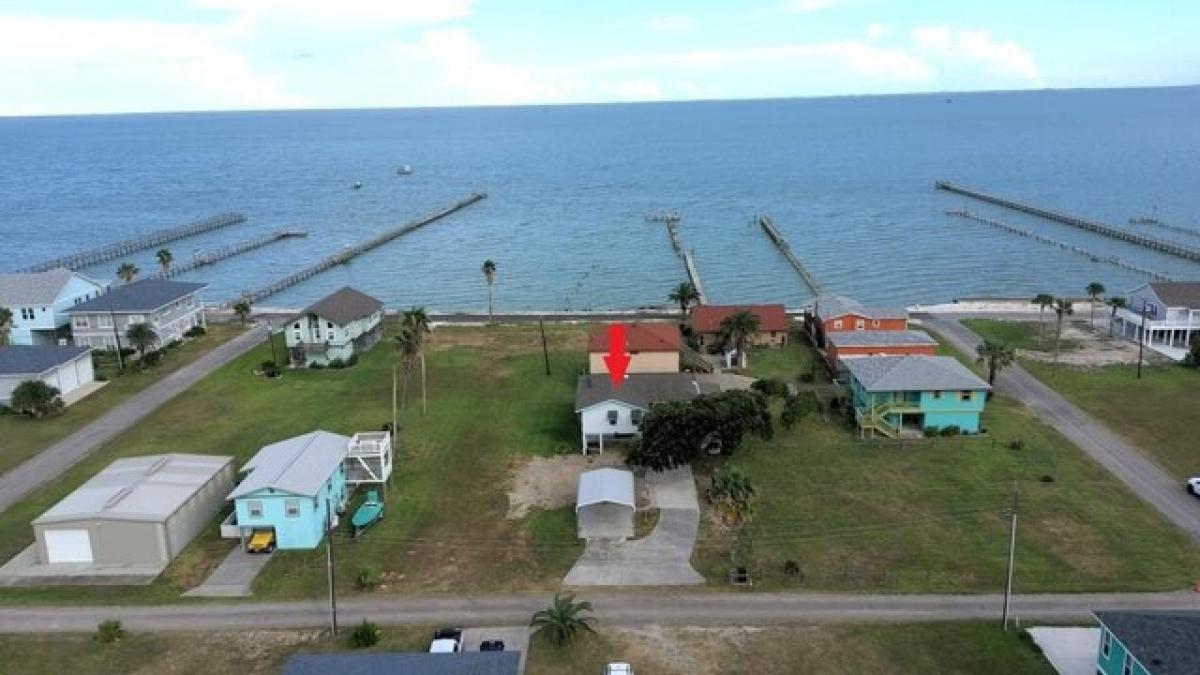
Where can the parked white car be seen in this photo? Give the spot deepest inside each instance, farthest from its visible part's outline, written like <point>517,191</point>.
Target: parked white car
<point>1193,485</point>
<point>446,641</point>
<point>618,669</point>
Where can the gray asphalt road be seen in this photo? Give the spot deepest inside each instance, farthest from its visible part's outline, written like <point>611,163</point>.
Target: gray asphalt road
<point>53,461</point>
<point>1119,456</point>
<point>611,608</point>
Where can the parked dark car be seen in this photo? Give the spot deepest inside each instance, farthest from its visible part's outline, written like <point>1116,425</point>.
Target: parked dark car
<point>491,646</point>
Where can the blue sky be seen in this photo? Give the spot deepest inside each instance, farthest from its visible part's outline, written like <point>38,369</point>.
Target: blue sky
<point>62,57</point>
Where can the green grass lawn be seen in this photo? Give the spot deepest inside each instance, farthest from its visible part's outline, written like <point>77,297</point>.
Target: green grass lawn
<point>946,648</point>
<point>1020,334</point>
<point>785,363</point>
<point>1157,413</point>
<point>24,437</point>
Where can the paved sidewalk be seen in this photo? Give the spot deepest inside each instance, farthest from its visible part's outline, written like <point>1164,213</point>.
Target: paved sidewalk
<point>1143,477</point>
<point>53,461</point>
<point>234,577</point>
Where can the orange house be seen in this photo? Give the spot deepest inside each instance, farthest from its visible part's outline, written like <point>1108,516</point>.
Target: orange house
<point>653,348</point>
<point>837,313</point>
<point>842,345</point>
<point>773,324</point>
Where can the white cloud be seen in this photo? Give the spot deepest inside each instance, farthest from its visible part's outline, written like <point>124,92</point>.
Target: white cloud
<point>877,30</point>
<point>633,90</point>
<point>809,6</point>
<point>373,14</point>
<point>71,66</point>
<point>1004,57</point>
<point>671,24</point>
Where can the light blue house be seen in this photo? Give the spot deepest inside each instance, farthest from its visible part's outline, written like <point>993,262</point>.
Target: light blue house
<point>904,395</point>
<point>39,300</point>
<point>1149,643</point>
<point>295,488</point>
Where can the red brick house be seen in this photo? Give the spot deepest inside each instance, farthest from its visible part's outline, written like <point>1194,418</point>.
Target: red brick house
<point>837,313</point>
<point>773,324</point>
<point>842,345</point>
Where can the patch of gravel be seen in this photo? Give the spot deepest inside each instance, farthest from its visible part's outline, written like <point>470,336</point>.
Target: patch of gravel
<point>1094,347</point>
<point>550,482</point>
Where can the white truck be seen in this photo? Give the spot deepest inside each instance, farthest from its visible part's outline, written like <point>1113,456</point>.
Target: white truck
<point>1193,486</point>
<point>618,668</point>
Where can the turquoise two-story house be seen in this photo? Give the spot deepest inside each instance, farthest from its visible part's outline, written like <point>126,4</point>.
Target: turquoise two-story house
<point>907,395</point>
<point>337,327</point>
<point>1149,643</point>
<point>294,488</point>
<point>39,301</point>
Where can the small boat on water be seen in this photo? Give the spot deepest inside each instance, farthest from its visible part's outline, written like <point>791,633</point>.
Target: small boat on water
<point>403,170</point>
<point>368,513</point>
<point>357,185</point>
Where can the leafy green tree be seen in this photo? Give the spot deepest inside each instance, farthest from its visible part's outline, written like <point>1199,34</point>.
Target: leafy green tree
<point>796,408</point>
<point>242,309</point>
<point>771,387</point>
<point>1042,300</point>
<point>489,273</point>
<point>1062,309</point>
<point>736,329</point>
<point>1193,356</point>
<point>684,295</point>
<point>996,356</point>
<point>127,272</point>
<point>142,337</point>
<point>1115,302</point>
<point>416,321</point>
<point>36,399</point>
<point>109,632</point>
<point>365,635</point>
<point>674,433</point>
<point>1094,291</point>
<point>564,620</point>
<point>165,258</point>
<point>6,322</point>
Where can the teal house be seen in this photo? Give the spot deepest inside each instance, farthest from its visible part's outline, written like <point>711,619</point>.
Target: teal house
<point>905,395</point>
<point>1149,643</point>
<point>294,488</point>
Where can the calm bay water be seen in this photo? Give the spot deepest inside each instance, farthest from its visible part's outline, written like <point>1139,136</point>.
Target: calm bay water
<point>847,180</point>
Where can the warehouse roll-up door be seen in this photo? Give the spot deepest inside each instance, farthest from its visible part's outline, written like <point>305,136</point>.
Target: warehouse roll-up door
<point>68,546</point>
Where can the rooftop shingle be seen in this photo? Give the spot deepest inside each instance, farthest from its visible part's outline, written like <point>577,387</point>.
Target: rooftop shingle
<point>140,296</point>
<point>1166,643</point>
<point>913,373</point>
<point>35,288</point>
<point>36,359</point>
<point>640,389</point>
<point>344,305</point>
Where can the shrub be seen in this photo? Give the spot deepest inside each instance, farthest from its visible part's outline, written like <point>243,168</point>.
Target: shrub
<point>1046,478</point>
<point>337,364</point>
<point>791,568</point>
<point>806,378</point>
<point>366,634</point>
<point>316,365</point>
<point>173,344</point>
<point>1016,444</point>
<point>36,399</point>
<point>269,368</point>
<point>931,431</point>
<point>367,578</point>
<point>771,386</point>
<point>951,430</point>
<point>195,331</point>
<point>109,632</point>
<point>352,361</point>
<point>796,408</point>
<point>1193,356</point>
<point>152,358</point>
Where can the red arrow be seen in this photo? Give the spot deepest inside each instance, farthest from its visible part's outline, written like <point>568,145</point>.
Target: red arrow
<point>617,359</point>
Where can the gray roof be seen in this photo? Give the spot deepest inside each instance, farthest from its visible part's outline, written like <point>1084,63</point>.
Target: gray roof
<point>913,373</point>
<point>298,466</point>
<point>1178,293</point>
<point>140,296</point>
<point>1166,643</point>
<point>830,305</point>
<point>872,338</point>
<point>36,288</point>
<point>404,663</point>
<point>138,488</point>
<point>608,485</point>
<point>640,389</point>
<point>344,305</point>
<point>36,359</point>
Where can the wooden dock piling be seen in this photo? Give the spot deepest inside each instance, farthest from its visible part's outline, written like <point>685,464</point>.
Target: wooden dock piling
<point>1168,247</point>
<point>215,256</point>
<point>139,243</point>
<point>671,219</point>
<point>345,256</point>
<point>776,238</point>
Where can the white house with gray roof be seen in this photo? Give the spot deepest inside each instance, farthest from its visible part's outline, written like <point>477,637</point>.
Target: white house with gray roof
<point>39,300</point>
<point>606,414</point>
<point>1166,315</point>
<point>136,511</point>
<point>295,488</point>
<point>170,307</point>
<point>339,326</point>
<point>67,369</point>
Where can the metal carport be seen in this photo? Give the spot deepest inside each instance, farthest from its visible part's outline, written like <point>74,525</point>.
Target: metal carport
<point>605,504</point>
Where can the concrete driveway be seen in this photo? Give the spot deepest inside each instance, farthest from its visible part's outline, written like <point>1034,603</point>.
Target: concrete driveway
<point>662,558</point>
<point>515,638</point>
<point>234,577</point>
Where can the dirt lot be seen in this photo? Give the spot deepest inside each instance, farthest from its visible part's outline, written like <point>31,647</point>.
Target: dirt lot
<point>1092,347</point>
<point>550,482</point>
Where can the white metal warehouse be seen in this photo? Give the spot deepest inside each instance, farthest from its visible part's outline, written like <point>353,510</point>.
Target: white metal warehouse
<point>138,510</point>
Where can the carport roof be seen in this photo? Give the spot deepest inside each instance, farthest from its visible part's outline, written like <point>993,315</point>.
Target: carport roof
<point>605,486</point>
<point>409,663</point>
<point>148,488</point>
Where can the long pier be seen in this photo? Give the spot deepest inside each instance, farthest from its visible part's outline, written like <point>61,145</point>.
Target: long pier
<point>1172,227</point>
<point>139,243</point>
<point>215,256</point>
<point>1020,231</point>
<point>671,219</point>
<point>343,257</point>
<point>1168,247</point>
<point>690,265</point>
<point>776,237</point>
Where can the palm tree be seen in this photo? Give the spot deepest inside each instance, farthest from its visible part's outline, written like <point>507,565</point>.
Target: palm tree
<point>563,621</point>
<point>417,323</point>
<point>996,355</point>
<point>685,294</point>
<point>489,273</point>
<point>127,272</point>
<point>735,329</point>
<point>1062,309</point>
<point>1094,291</point>
<point>1116,302</point>
<point>408,347</point>
<point>5,324</point>
<point>1042,300</point>
<point>242,309</point>
<point>164,260</point>
<point>142,337</point>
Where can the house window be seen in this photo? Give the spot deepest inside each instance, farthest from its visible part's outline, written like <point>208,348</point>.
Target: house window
<point>837,325</point>
<point>329,325</point>
<point>1127,666</point>
<point>612,417</point>
<point>79,322</point>
<point>27,313</point>
<point>937,395</point>
<point>83,342</point>
<point>875,323</point>
<point>291,508</point>
<point>1105,643</point>
<point>297,326</point>
<point>967,395</point>
<point>635,417</point>
<point>860,324</point>
<point>254,508</point>
<point>104,321</point>
<point>136,318</point>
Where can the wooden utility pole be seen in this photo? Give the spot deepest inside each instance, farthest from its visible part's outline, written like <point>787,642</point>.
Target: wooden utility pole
<point>1141,341</point>
<point>393,431</point>
<point>545,350</point>
<point>1012,553</point>
<point>329,569</point>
